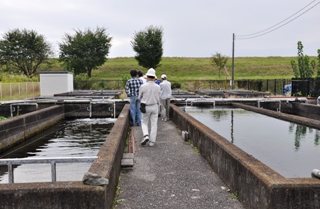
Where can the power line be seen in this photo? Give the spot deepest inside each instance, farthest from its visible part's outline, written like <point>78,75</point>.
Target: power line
<point>252,35</point>
<point>277,23</point>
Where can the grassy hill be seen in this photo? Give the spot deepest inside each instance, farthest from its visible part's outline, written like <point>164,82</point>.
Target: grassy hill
<point>178,68</point>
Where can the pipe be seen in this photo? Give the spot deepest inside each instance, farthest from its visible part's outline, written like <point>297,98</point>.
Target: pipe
<point>90,109</point>
<point>114,110</point>
<point>301,99</point>
<point>13,109</point>
<point>315,173</point>
<point>279,108</point>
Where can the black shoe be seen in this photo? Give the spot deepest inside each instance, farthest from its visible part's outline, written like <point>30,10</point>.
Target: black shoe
<point>145,140</point>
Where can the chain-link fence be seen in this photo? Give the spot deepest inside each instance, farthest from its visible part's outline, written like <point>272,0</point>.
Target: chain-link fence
<point>15,89</point>
<point>305,87</point>
<point>274,86</point>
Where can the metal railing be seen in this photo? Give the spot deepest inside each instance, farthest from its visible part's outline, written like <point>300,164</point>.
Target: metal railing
<point>52,160</point>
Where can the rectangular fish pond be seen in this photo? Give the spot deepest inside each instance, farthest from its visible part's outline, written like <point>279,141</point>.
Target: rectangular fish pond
<point>68,138</point>
<point>290,149</point>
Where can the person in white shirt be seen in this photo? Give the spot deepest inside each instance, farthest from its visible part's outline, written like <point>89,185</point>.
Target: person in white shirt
<point>165,95</point>
<point>141,77</point>
<point>149,95</point>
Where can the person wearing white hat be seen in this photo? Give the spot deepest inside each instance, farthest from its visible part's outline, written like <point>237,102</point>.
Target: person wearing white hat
<point>149,95</point>
<point>165,95</point>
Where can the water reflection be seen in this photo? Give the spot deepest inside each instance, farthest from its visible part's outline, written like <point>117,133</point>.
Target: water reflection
<point>288,148</point>
<point>300,133</point>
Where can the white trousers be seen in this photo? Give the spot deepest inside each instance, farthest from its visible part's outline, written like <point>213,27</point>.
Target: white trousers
<point>151,116</point>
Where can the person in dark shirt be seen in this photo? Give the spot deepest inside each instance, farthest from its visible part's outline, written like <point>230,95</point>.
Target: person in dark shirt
<point>132,91</point>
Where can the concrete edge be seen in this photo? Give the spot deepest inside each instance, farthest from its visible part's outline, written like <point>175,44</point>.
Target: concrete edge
<point>17,129</point>
<point>258,186</point>
<point>70,195</point>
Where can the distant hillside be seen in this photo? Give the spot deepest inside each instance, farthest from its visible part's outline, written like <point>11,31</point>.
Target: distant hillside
<point>178,68</point>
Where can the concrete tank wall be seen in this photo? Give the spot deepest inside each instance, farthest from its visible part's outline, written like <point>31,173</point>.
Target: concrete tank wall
<point>17,129</point>
<point>299,107</point>
<point>258,186</point>
<point>310,111</point>
<point>74,194</point>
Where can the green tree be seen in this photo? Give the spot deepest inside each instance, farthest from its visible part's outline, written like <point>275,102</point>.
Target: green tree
<point>318,66</point>
<point>85,51</point>
<point>148,46</point>
<point>24,50</point>
<point>305,68</point>
<point>218,60</point>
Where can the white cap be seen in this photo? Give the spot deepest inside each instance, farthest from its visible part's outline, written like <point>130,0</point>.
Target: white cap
<point>163,76</point>
<point>151,72</point>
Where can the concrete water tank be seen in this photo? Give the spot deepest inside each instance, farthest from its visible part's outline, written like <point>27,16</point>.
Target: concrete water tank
<point>55,82</point>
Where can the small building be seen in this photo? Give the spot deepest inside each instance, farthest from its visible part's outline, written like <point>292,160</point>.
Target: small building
<point>55,82</point>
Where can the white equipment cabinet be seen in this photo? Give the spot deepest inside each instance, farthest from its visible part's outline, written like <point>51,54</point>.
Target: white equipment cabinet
<point>55,82</point>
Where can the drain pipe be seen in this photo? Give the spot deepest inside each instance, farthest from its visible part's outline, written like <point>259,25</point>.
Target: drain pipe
<point>114,109</point>
<point>90,109</point>
<point>13,109</point>
<point>279,108</point>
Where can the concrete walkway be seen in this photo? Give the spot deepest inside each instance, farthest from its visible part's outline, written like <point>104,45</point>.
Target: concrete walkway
<point>171,175</point>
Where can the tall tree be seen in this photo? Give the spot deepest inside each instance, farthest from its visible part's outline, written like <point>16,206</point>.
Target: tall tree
<point>24,50</point>
<point>305,68</point>
<point>85,51</point>
<point>318,66</point>
<point>148,46</point>
<point>218,60</point>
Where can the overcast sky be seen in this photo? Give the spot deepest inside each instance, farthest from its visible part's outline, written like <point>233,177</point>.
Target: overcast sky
<point>192,28</point>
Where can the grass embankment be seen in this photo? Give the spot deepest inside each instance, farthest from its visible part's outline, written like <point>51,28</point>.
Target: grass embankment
<point>178,68</point>
<point>185,68</point>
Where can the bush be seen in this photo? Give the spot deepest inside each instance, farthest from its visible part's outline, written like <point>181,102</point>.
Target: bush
<point>14,78</point>
<point>175,85</point>
<point>2,118</point>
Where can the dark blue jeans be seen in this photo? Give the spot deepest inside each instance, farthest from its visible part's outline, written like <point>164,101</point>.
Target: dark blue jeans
<point>135,112</point>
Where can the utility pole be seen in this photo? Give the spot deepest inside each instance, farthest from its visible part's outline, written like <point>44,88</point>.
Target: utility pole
<point>232,81</point>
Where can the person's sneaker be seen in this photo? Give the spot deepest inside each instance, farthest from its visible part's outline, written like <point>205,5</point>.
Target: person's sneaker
<point>151,144</point>
<point>145,140</point>
<point>165,119</point>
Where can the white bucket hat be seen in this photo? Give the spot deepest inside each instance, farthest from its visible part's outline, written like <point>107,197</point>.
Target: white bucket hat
<point>163,76</point>
<point>151,72</point>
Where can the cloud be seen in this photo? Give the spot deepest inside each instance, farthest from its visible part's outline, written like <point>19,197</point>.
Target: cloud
<point>193,28</point>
